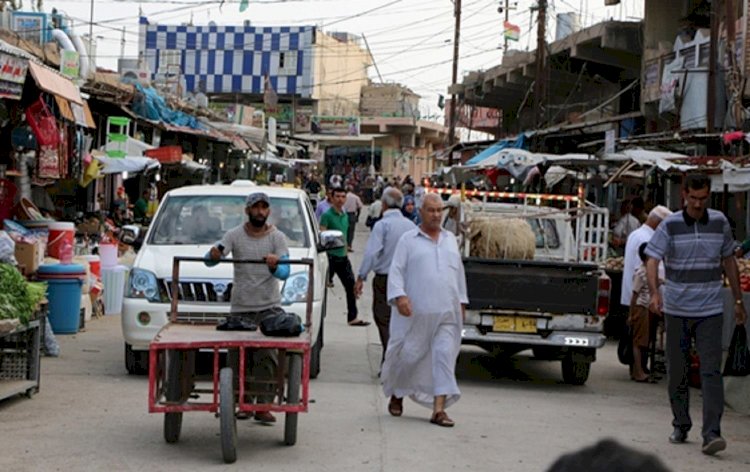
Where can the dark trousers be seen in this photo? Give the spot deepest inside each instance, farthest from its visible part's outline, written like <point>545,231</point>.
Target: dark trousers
<point>352,223</point>
<point>343,269</point>
<point>708,335</point>
<point>381,312</point>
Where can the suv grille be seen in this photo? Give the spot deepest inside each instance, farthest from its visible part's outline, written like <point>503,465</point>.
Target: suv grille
<point>198,290</point>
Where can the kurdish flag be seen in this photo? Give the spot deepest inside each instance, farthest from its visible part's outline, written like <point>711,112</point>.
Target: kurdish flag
<point>512,32</point>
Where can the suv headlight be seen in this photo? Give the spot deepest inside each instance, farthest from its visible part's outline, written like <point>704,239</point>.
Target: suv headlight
<point>143,284</point>
<point>295,289</point>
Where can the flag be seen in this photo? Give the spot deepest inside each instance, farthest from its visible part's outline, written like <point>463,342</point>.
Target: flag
<point>512,32</point>
<point>244,4</point>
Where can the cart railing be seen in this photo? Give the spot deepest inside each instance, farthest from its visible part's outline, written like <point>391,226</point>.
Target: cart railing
<point>175,283</point>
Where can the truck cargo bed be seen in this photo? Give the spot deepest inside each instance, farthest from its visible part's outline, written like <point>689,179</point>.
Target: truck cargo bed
<point>535,286</point>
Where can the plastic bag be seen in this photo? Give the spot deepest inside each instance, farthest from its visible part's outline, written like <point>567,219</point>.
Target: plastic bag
<point>7,249</point>
<point>282,325</point>
<point>625,347</point>
<point>738,361</point>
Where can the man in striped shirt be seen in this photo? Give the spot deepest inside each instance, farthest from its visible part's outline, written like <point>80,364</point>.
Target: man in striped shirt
<point>695,244</point>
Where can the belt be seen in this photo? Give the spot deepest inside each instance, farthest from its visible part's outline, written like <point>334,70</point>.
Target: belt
<point>381,275</point>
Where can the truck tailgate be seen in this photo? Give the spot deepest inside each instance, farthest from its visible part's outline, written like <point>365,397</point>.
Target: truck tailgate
<point>536,286</point>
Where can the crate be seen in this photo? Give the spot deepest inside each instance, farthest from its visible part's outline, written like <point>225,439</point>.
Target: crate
<point>19,360</point>
<point>165,154</point>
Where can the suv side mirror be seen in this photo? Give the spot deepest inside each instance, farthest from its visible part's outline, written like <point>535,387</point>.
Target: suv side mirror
<point>331,239</point>
<point>131,235</point>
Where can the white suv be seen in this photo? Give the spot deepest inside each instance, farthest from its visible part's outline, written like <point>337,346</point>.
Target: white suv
<point>205,291</point>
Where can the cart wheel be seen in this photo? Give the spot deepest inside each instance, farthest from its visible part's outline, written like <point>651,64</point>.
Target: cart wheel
<point>292,398</point>
<point>226,416</point>
<point>173,393</point>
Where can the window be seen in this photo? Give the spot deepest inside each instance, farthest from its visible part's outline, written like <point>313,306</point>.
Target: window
<point>288,63</point>
<point>203,220</point>
<point>544,230</point>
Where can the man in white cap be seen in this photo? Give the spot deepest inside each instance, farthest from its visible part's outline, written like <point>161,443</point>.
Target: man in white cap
<point>632,260</point>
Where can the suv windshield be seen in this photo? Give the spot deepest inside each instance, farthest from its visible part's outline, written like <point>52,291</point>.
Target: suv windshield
<point>203,220</point>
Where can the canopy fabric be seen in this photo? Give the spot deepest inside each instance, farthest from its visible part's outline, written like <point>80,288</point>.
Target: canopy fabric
<point>736,179</point>
<point>54,83</point>
<point>129,164</point>
<point>518,143</point>
<point>644,157</point>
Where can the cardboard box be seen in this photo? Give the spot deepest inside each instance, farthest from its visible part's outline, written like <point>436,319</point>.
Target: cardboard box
<point>29,257</point>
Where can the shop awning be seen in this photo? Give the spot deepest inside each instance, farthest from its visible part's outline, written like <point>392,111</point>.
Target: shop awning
<point>80,115</point>
<point>126,164</point>
<point>54,83</point>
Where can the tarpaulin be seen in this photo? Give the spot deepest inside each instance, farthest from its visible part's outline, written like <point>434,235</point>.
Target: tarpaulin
<point>149,104</point>
<point>518,143</point>
<point>126,164</point>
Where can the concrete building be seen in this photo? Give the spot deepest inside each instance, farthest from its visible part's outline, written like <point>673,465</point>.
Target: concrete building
<point>339,73</point>
<point>591,87</point>
<point>309,71</point>
<point>393,100</point>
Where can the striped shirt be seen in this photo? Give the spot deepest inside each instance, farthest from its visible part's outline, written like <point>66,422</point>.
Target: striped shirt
<point>692,251</point>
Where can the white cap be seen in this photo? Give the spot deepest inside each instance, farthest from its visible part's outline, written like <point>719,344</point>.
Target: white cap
<point>660,212</point>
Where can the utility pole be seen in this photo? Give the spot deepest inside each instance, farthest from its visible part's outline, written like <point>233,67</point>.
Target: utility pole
<point>540,85</point>
<point>454,81</point>
<point>91,30</point>
<point>712,65</point>
<point>507,19</point>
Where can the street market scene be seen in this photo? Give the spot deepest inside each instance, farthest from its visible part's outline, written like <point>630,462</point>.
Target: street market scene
<point>396,235</point>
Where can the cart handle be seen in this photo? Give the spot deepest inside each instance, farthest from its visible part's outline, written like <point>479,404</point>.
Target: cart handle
<point>306,261</point>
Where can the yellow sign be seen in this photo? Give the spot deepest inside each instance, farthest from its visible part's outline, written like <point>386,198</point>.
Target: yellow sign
<point>514,324</point>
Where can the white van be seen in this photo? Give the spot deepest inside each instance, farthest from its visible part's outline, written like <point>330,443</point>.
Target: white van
<point>205,291</point>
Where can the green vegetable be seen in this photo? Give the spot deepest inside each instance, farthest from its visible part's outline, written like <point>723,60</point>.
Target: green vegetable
<point>18,298</point>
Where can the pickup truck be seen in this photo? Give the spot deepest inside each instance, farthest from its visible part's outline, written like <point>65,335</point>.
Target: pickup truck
<point>554,305</point>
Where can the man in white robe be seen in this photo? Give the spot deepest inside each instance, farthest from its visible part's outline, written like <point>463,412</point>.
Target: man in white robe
<point>427,293</point>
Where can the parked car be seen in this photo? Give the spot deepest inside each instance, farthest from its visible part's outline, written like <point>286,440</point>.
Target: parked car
<point>205,292</point>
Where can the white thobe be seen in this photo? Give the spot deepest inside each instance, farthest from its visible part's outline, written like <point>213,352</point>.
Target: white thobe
<point>632,261</point>
<point>420,361</point>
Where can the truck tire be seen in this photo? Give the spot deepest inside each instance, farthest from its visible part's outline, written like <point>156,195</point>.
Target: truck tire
<point>136,362</point>
<point>575,369</point>
<point>315,353</point>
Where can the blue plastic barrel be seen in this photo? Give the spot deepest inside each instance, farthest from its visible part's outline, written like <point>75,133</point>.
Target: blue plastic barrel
<point>64,283</point>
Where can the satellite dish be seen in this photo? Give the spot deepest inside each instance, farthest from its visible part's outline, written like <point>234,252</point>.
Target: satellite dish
<point>211,23</point>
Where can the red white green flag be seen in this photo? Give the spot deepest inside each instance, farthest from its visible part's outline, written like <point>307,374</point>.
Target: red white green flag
<point>512,32</point>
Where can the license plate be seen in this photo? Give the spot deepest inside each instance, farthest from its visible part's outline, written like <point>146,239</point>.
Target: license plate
<point>514,324</point>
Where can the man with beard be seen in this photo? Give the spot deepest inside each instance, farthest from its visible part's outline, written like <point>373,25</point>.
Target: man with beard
<point>255,293</point>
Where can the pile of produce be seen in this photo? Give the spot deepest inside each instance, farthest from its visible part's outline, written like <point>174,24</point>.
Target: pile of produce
<point>18,298</point>
<point>502,238</point>
<point>614,263</point>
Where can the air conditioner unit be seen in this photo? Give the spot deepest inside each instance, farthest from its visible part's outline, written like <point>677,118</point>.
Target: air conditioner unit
<point>132,76</point>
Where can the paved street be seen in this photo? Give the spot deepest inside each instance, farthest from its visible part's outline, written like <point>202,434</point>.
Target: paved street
<point>90,415</point>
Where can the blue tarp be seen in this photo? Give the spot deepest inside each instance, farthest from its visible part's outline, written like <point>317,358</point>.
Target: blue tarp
<point>518,143</point>
<point>152,106</point>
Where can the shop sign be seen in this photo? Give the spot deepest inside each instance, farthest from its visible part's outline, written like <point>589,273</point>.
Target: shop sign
<point>335,125</point>
<point>30,26</point>
<point>474,117</point>
<point>10,90</point>
<point>69,63</point>
<point>303,119</point>
<point>13,69</point>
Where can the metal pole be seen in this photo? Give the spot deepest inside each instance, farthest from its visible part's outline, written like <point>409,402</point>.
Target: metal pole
<point>713,65</point>
<point>454,99</point>
<point>507,18</point>
<point>91,31</point>
<point>541,46</point>
<point>364,38</point>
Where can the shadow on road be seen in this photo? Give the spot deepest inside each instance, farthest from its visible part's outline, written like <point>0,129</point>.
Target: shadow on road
<point>480,367</point>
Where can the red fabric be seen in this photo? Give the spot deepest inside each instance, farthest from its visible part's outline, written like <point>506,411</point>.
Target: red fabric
<point>729,138</point>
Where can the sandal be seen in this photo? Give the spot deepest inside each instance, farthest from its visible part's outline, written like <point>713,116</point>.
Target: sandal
<point>359,323</point>
<point>441,419</point>
<point>396,406</point>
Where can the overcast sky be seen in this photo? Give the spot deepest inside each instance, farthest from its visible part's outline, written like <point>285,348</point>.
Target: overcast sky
<point>411,40</point>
